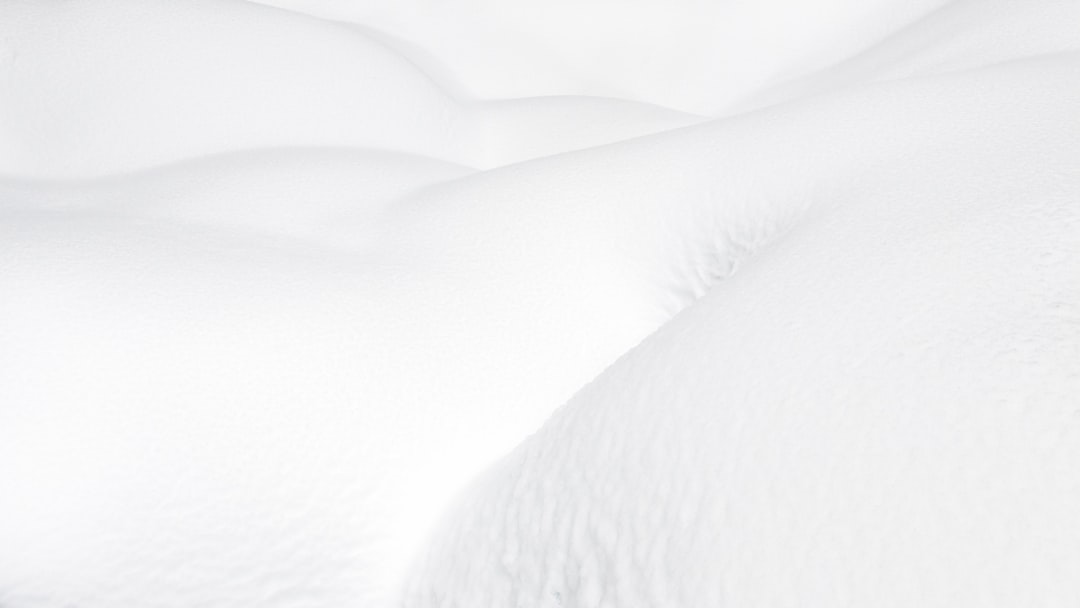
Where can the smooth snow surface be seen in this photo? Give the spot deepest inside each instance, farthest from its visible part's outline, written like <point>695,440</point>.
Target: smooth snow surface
<point>490,303</point>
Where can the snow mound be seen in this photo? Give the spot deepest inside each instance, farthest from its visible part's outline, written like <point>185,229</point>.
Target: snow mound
<point>101,87</point>
<point>284,291</point>
<point>879,410</point>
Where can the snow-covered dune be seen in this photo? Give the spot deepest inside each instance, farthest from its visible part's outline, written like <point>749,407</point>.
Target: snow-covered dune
<point>286,286</point>
<point>883,408</point>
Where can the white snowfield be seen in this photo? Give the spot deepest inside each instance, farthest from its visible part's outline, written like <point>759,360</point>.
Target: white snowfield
<point>502,303</point>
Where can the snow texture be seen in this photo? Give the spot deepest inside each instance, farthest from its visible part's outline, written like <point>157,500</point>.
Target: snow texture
<point>506,303</point>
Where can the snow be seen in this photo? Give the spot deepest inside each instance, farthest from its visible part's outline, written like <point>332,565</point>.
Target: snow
<point>879,410</point>
<point>567,304</point>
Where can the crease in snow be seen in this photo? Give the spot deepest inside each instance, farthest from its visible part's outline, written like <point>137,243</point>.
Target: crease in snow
<point>210,158</point>
<point>415,55</point>
<point>439,74</point>
<point>289,192</point>
<point>769,93</point>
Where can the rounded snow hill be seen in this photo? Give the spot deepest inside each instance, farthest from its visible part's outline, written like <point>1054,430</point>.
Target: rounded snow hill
<point>255,378</point>
<point>98,87</point>
<point>879,408</point>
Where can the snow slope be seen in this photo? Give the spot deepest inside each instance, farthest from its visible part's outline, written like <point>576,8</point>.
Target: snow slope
<point>277,282</point>
<point>881,409</point>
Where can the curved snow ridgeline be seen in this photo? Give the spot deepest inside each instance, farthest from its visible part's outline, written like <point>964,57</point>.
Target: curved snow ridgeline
<point>494,303</point>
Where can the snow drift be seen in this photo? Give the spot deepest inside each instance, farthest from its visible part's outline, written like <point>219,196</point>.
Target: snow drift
<point>285,289</point>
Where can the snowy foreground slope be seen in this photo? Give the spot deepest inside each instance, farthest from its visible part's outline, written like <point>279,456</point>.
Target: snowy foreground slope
<point>506,303</point>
